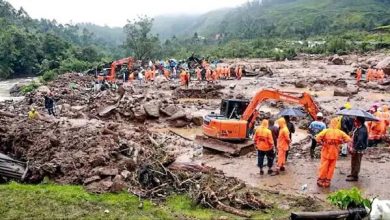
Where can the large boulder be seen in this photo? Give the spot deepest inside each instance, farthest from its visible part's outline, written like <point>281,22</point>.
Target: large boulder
<point>140,114</point>
<point>345,91</point>
<point>300,84</point>
<point>385,65</point>
<point>337,60</point>
<point>170,110</point>
<point>152,109</point>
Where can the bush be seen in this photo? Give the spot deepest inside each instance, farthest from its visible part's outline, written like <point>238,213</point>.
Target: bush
<point>49,75</point>
<point>349,198</point>
<point>29,87</point>
<point>73,65</point>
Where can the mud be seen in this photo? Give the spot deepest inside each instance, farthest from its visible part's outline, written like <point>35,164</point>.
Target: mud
<point>110,140</point>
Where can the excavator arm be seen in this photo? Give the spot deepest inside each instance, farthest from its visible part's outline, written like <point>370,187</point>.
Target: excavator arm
<point>129,61</point>
<point>303,99</point>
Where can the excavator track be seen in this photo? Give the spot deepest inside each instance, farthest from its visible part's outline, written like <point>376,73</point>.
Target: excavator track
<point>233,149</point>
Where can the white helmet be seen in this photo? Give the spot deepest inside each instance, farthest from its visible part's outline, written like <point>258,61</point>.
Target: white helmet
<point>320,115</point>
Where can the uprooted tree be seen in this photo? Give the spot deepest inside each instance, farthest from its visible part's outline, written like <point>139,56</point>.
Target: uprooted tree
<point>141,43</point>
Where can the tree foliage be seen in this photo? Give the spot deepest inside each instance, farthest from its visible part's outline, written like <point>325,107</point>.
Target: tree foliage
<point>139,40</point>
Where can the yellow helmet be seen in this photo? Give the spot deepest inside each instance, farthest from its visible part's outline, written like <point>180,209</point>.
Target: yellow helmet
<point>347,105</point>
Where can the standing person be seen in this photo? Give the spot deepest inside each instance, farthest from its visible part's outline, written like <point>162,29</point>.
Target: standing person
<point>140,77</point>
<point>264,144</point>
<point>283,143</point>
<point>330,139</point>
<point>358,75</point>
<point>346,125</point>
<point>314,128</point>
<point>291,129</point>
<point>274,130</point>
<point>49,105</point>
<point>359,144</point>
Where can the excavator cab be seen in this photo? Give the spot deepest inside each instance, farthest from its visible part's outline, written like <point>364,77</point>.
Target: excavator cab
<point>233,108</point>
<point>231,111</point>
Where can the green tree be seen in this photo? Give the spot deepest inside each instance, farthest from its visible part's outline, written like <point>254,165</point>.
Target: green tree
<point>141,43</point>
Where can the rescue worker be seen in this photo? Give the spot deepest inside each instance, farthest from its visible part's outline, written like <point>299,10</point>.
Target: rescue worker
<point>386,116</point>
<point>198,72</point>
<point>381,75</point>
<point>236,71</point>
<point>359,144</point>
<point>275,131</point>
<point>330,139</point>
<point>358,75</point>
<point>49,105</point>
<point>283,144</point>
<point>33,114</point>
<point>376,130</point>
<point>265,146</point>
<point>369,75</point>
<point>315,128</point>
<point>291,129</point>
<point>208,74</point>
<point>239,73</point>
<point>132,76</point>
<point>184,79</point>
<point>166,73</point>
<point>346,125</point>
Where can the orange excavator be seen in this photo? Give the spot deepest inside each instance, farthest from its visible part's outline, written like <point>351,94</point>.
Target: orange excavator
<point>111,75</point>
<point>229,131</point>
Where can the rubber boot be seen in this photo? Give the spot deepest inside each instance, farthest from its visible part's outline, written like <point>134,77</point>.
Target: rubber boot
<point>320,182</point>
<point>326,183</point>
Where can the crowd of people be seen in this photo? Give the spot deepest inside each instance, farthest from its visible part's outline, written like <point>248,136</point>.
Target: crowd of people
<point>371,74</point>
<point>352,133</point>
<point>172,70</point>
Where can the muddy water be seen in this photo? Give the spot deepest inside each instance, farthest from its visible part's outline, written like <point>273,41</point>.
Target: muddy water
<point>6,85</point>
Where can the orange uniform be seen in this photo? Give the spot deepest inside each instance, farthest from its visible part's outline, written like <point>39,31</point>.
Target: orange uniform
<point>184,78</point>
<point>369,75</point>
<point>236,71</point>
<point>167,74</point>
<point>331,139</point>
<point>386,115</point>
<point>358,75</point>
<point>131,77</point>
<point>198,72</point>
<point>283,142</point>
<point>263,137</point>
<point>381,74</point>
<point>208,74</point>
<point>147,75</point>
<point>376,129</point>
<point>239,73</point>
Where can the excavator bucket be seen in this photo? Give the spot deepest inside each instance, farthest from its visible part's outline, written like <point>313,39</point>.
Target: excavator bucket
<point>233,149</point>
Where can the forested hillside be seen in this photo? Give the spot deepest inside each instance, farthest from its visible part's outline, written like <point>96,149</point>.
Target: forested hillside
<point>29,46</point>
<point>282,18</point>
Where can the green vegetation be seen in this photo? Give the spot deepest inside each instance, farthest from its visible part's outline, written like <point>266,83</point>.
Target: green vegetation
<point>49,201</point>
<point>277,29</point>
<point>34,47</point>
<point>29,87</point>
<point>349,197</point>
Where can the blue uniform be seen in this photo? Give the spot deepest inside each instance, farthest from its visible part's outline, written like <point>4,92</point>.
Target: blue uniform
<point>316,127</point>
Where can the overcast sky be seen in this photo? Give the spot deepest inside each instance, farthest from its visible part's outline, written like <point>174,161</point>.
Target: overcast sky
<point>115,12</point>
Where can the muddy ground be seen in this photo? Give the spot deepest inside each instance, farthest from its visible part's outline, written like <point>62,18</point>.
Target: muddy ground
<point>140,137</point>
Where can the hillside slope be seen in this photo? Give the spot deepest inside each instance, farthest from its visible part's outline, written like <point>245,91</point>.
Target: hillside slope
<point>289,18</point>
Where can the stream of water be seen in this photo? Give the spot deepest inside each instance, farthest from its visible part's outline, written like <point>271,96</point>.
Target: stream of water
<point>6,85</point>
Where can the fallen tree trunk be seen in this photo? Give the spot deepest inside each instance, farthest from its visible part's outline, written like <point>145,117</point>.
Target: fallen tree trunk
<point>231,210</point>
<point>361,212</point>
